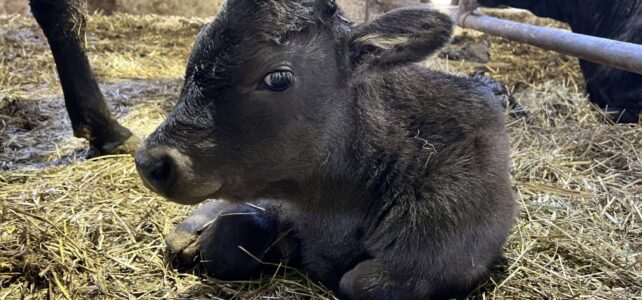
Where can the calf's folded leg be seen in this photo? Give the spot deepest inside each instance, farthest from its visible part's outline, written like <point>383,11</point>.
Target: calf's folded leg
<point>234,241</point>
<point>375,279</point>
<point>183,241</point>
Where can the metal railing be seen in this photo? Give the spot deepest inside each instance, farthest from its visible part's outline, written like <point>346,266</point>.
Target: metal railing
<point>621,55</point>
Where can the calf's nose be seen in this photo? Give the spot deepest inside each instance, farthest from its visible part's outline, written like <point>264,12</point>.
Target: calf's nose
<point>157,169</point>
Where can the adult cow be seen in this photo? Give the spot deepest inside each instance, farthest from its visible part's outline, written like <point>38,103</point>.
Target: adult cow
<point>618,92</point>
<point>391,180</point>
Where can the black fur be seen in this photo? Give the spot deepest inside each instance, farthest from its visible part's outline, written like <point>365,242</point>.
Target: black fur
<point>620,20</point>
<point>393,179</point>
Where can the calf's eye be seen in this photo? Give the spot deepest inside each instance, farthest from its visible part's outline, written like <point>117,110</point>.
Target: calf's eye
<point>279,81</point>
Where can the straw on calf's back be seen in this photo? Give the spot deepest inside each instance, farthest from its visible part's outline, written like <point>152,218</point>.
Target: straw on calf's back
<point>392,179</point>
<point>618,90</point>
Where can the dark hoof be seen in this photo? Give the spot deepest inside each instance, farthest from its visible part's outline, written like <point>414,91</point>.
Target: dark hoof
<point>185,239</point>
<point>126,146</point>
<point>182,249</point>
<point>129,146</point>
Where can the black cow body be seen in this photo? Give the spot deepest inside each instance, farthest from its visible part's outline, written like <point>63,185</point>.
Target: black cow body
<point>617,90</point>
<point>390,180</point>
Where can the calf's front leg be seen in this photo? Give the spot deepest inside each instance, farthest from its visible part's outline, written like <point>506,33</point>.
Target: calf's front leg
<point>234,241</point>
<point>63,23</point>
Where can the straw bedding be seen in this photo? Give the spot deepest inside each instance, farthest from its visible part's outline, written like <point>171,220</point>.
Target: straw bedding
<point>72,228</point>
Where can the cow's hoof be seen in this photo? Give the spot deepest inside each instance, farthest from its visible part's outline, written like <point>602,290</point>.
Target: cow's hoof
<point>114,139</point>
<point>125,146</point>
<point>129,146</point>
<point>182,248</point>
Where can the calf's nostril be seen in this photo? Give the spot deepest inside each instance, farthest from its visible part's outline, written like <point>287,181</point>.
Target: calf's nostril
<point>155,168</point>
<point>160,173</point>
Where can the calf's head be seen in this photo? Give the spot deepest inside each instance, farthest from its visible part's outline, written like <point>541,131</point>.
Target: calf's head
<point>268,96</point>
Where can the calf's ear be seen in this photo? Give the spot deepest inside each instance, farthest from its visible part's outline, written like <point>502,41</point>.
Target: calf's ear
<point>399,37</point>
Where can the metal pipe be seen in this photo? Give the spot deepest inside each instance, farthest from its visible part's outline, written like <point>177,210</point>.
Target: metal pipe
<point>621,55</point>
<point>367,16</point>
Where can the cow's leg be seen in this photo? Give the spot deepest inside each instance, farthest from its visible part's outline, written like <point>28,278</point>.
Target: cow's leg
<point>623,115</point>
<point>233,241</point>
<point>63,22</point>
<point>617,93</point>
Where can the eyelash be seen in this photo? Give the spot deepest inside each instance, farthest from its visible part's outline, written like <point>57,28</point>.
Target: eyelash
<point>277,81</point>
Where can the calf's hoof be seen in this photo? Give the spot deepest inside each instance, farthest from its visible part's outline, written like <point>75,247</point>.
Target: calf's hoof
<point>182,248</point>
<point>185,239</point>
